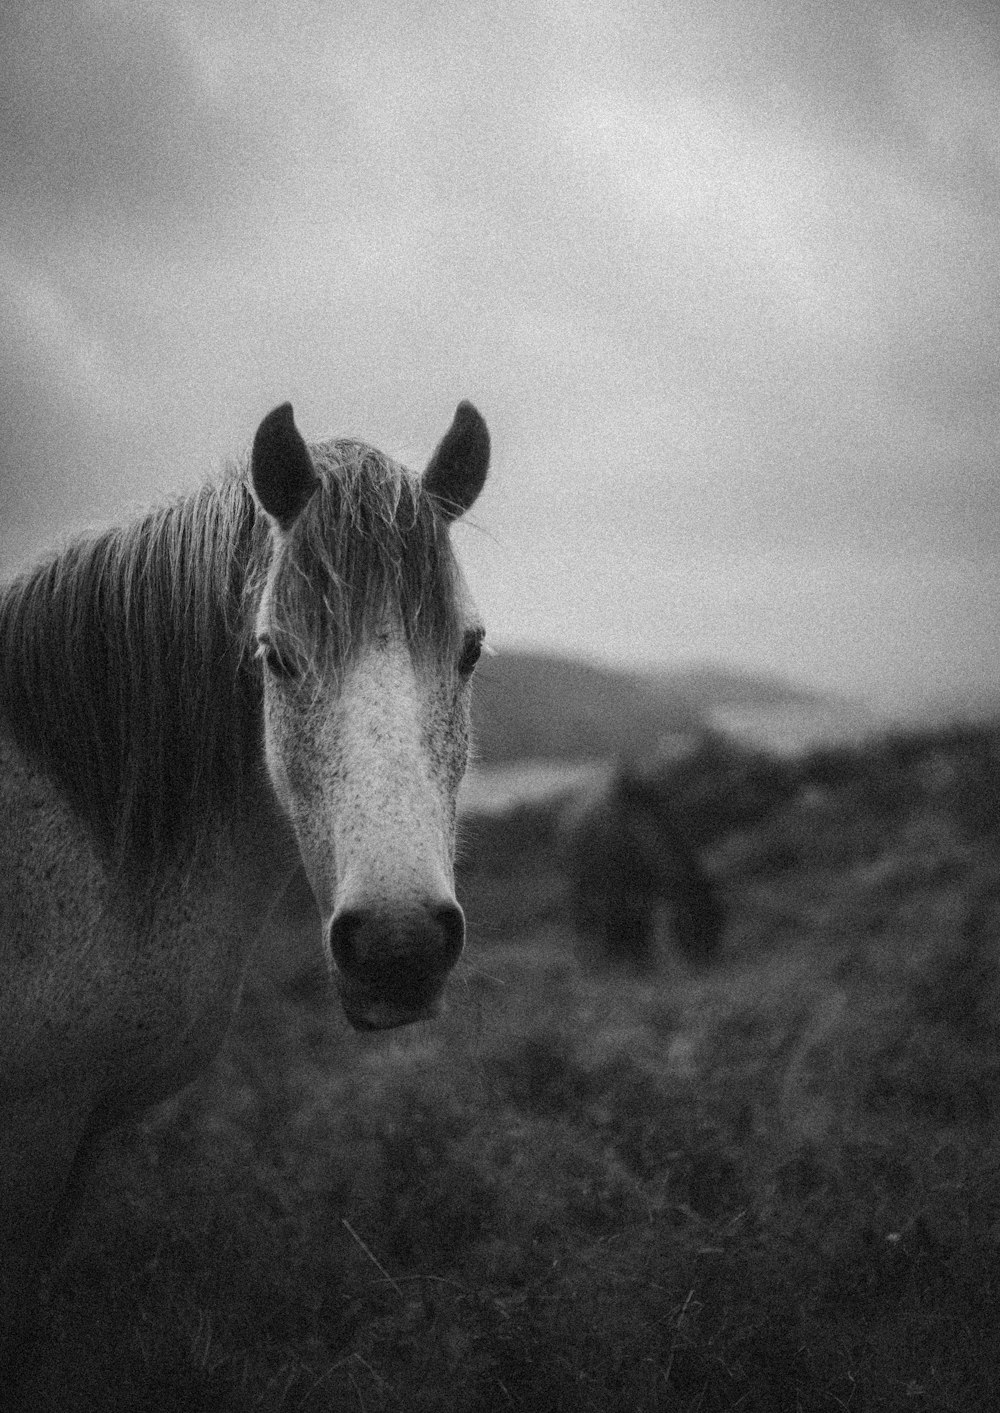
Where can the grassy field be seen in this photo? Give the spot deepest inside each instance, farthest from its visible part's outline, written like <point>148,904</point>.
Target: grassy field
<point>774,1187</point>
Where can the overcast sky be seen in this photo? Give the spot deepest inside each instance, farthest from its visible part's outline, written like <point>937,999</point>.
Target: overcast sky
<point>723,278</point>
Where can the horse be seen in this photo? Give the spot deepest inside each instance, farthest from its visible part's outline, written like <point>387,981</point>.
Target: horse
<point>627,862</point>
<point>272,671</point>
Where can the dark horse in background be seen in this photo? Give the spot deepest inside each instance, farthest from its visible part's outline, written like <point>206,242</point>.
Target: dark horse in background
<point>627,864</point>
<point>632,849</point>
<point>273,672</point>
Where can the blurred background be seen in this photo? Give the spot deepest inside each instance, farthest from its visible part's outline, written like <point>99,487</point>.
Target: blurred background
<point>722,279</point>
<point>711,1118</point>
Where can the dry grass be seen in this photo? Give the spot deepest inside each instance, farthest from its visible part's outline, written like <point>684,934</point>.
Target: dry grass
<point>775,1187</point>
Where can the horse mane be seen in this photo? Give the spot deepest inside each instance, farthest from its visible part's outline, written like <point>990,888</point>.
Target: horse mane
<point>126,659</point>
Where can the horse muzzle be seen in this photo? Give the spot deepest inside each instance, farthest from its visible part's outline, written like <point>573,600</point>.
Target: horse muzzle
<point>392,964</point>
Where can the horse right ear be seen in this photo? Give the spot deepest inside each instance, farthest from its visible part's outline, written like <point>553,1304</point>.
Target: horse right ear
<point>281,468</point>
<point>456,472</point>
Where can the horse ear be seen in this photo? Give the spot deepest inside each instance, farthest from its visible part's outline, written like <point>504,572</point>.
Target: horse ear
<point>456,472</point>
<point>281,468</point>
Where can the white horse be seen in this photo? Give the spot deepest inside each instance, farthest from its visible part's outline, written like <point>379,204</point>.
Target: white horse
<point>273,669</point>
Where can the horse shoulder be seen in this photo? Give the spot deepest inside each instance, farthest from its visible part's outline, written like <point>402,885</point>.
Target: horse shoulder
<point>136,1001</point>
<point>50,873</point>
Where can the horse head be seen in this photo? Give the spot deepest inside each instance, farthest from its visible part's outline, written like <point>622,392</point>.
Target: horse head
<point>367,640</point>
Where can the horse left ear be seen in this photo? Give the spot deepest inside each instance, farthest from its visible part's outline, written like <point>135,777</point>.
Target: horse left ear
<point>281,468</point>
<point>456,473</point>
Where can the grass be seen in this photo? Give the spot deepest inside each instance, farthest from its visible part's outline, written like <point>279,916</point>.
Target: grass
<point>773,1187</point>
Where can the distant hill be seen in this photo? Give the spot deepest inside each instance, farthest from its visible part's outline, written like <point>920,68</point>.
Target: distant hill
<point>537,706</point>
<point>963,704</point>
<point>531,705</point>
<point>711,685</point>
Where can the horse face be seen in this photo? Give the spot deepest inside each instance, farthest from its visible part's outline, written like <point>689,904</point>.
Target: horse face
<point>366,760</point>
<point>367,768</point>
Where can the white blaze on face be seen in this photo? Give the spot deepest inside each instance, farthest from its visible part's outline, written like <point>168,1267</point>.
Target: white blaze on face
<point>393,815</point>
<point>367,768</point>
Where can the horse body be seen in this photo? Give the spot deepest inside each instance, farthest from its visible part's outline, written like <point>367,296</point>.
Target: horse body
<point>275,669</point>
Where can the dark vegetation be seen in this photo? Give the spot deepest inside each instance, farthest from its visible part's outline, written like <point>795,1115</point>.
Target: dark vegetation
<point>771,1186</point>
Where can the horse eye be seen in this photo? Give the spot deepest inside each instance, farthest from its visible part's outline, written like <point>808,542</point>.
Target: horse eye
<point>273,661</point>
<point>472,650</point>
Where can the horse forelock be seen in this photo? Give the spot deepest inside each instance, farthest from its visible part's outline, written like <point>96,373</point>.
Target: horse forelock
<point>125,659</point>
<point>370,543</point>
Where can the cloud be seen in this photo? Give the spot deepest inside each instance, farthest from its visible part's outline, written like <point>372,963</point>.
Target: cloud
<point>723,279</point>
<point>107,119</point>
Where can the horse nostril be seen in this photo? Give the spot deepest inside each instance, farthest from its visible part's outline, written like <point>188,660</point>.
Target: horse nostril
<point>344,937</point>
<point>451,920</point>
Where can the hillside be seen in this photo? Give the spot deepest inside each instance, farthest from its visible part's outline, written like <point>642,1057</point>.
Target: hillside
<point>537,706</point>
<point>768,1186</point>
<point>531,705</point>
